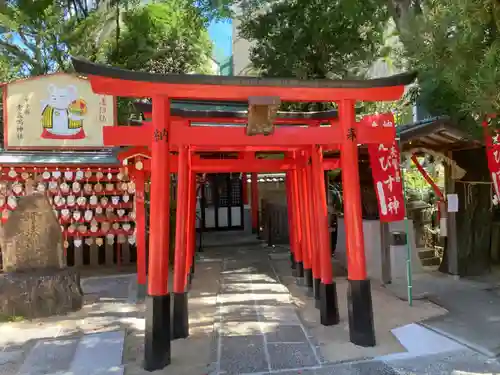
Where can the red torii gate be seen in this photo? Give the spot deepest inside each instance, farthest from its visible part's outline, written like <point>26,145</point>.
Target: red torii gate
<point>138,164</point>
<point>168,133</point>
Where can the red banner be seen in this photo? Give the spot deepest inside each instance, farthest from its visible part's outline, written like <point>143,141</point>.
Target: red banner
<point>493,154</point>
<point>384,161</point>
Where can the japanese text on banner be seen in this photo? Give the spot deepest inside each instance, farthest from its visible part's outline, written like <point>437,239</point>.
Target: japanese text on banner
<point>384,161</point>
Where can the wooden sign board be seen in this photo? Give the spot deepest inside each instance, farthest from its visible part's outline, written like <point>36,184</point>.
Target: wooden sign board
<point>58,111</point>
<point>262,111</point>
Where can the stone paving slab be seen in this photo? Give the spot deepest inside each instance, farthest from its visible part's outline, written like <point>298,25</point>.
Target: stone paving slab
<point>10,361</point>
<point>98,353</point>
<point>280,314</point>
<point>10,356</point>
<point>242,355</point>
<point>458,362</point>
<point>358,368</point>
<point>290,356</point>
<point>49,356</point>
<point>287,333</point>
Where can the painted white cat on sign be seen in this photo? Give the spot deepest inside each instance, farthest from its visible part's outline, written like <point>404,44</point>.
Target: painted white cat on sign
<point>63,113</point>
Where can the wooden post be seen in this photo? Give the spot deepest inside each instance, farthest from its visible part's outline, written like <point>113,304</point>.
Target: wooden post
<point>109,252</point>
<point>361,328</point>
<point>180,323</point>
<point>451,240</point>
<point>157,351</point>
<point>94,254</point>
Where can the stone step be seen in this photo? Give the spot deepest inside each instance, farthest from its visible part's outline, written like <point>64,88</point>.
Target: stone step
<point>427,253</point>
<point>434,261</point>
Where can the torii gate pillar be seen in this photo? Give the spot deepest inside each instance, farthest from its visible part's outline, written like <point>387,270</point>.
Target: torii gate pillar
<point>157,352</point>
<point>361,328</point>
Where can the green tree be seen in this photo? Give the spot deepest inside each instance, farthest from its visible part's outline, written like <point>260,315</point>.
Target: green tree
<point>314,39</point>
<point>166,37</point>
<point>31,33</point>
<point>8,72</point>
<point>40,35</point>
<point>455,47</point>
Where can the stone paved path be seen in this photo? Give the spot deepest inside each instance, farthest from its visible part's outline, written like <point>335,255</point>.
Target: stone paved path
<point>258,330</point>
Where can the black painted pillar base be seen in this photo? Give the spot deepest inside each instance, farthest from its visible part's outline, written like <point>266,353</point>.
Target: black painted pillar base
<point>292,261</point>
<point>299,273</point>
<point>180,320</point>
<point>308,281</point>
<point>316,292</point>
<point>157,334</point>
<point>359,303</point>
<point>329,305</point>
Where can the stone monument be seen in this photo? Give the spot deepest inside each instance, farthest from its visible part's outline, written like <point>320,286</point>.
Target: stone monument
<point>36,283</point>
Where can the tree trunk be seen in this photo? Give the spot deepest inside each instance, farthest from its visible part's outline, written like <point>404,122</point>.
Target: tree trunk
<point>475,215</point>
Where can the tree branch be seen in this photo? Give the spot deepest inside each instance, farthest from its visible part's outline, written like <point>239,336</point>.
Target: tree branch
<point>16,51</point>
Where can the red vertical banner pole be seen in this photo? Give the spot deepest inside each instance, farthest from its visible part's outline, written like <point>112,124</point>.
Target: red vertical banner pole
<point>291,213</point>
<point>180,323</point>
<point>306,227</point>
<point>254,187</point>
<point>140,221</point>
<point>361,327</point>
<point>328,301</point>
<point>191,223</point>
<point>157,351</point>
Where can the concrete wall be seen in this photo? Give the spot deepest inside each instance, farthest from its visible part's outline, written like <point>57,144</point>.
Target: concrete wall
<point>373,249</point>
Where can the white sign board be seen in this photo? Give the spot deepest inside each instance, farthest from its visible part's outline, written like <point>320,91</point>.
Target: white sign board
<point>452,202</point>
